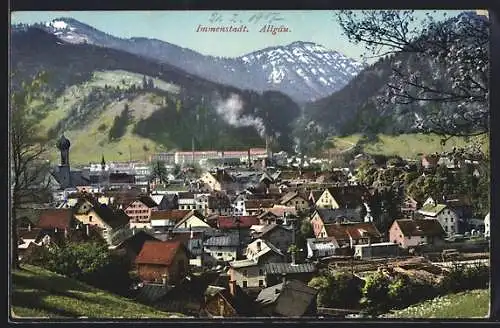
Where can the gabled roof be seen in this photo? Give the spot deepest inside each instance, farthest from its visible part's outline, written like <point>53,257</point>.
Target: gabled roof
<point>355,231</point>
<point>173,215</point>
<point>189,215</point>
<point>291,298</point>
<point>158,252</point>
<point>431,210</point>
<point>315,195</point>
<point>420,227</point>
<point>231,222</point>
<point>148,201</point>
<point>270,227</point>
<point>186,195</point>
<point>55,218</point>
<point>288,197</point>
<point>329,215</point>
<point>348,196</point>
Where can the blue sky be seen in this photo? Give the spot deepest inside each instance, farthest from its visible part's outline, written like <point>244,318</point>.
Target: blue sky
<point>179,27</point>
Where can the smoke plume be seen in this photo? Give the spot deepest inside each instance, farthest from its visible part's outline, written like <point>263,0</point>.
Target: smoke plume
<point>230,110</point>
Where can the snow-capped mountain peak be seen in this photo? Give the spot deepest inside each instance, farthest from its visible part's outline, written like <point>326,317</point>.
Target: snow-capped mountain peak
<point>303,70</point>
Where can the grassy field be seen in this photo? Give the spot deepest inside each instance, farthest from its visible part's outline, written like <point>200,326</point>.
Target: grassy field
<point>38,293</point>
<point>406,145</point>
<point>470,304</point>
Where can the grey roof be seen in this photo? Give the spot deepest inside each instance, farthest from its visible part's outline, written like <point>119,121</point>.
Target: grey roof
<point>269,228</point>
<point>291,298</point>
<point>228,240</point>
<point>329,215</point>
<point>279,268</point>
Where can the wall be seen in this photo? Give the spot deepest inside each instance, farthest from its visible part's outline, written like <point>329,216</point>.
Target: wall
<point>254,274</point>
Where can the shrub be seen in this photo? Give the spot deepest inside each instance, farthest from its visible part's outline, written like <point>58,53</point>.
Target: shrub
<point>340,290</point>
<point>90,262</point>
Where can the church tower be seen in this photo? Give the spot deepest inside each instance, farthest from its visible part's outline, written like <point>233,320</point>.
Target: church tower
<point>63,145</point>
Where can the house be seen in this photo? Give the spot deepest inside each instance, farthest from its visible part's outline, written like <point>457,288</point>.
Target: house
<point>219,249</point>
<point>350,234</point>
<point>441,212</point>
<point>191,220</point>
<point>139,211</point>
<point>57,221</point>
<point>131,245</point>
<point>228,302</point>
<point>165,220</point>
<point>275,272</point>
<point>294,199</point>
<point>90,212</point>
<point>487,225</point>
<point>257,206</point>
<point>219,180</point>
<point>249,272</point>
<point>347,196</point>
<point>280,236</point>
<point>321,247</point>
<point>291,298</point>
<point>409,233</point>
<point>323,216</point>
<point>162,260</point>
<point>186,201</point>
<point>409,207</point>
<point>238,204</point>
<point>219,203</point>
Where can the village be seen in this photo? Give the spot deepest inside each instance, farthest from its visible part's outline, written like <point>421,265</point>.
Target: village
<point>245,233</point>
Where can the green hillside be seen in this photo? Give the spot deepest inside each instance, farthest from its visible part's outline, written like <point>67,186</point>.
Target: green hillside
<point>89,133</point>
<point>405,145</point>
<point>470,304</point>
<point>38,293</point>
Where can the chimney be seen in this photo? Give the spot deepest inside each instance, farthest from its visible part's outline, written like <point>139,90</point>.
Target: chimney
<point>29,226</point>
<point>259,248</point>
<point>232,287</point>
<point>192,234</point>
<point>87,229</point>
<point>65,232</point>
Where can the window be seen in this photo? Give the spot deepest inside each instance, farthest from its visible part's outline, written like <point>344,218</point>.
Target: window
<point>446,228</point>
<point>261,272</point>
<point>261,283</point>
<point>245,284</point>
<point>451,219</point>
<point>445,219</point>
<point>90,218</point>
<point>219,254</point>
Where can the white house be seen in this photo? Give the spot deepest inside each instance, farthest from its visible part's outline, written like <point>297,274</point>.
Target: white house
<point>446,216</point>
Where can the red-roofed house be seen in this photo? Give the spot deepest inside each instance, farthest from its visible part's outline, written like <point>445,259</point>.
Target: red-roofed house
<point>56,219</point>
<point>159,260</point>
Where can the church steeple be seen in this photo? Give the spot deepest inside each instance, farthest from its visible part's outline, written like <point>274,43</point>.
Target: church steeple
<point>63,145</point>
<point>103,163</point>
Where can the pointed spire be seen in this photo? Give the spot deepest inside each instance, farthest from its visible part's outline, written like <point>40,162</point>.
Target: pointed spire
<point>103,162</point>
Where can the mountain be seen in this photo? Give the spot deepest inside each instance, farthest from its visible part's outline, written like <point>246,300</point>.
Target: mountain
<point>357,107</point>
<point>90,86</point>
<point>305,71</point>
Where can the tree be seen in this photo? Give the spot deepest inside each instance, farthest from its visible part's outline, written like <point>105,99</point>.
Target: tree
<point>29,171</point>
<point>120,123</point>
<point>454,50</point>
<point>159,171</point>
<point>338,290</point>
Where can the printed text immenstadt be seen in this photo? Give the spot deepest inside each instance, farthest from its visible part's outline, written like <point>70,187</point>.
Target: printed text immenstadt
<point>268,28</point>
